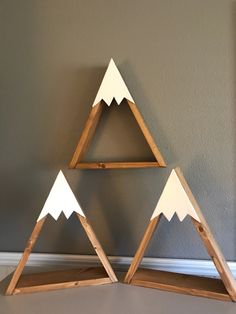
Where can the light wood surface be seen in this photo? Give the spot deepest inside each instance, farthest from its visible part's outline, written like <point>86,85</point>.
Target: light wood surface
<point>142,248</point>
<point>25,256</point>
<point>181,283</point>
<point>62,279</point>
<point>97,247</point>
<point>87,134</point>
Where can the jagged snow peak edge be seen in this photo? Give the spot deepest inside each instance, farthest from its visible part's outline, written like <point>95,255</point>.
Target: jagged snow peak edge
<point>177,211</point>
<point>51,211</point>
<point>112,87</point>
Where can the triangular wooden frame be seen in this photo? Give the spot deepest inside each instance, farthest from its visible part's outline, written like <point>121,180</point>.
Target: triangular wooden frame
<point>61,199</point>
<point>61,279</point>
<point>112,87</point>
<point>224,289</point>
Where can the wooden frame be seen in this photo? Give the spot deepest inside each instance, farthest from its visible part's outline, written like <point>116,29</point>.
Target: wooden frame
<point>61,279</point>
<point>112,88</point>
<point>224,289</point>
<point>87,135</point>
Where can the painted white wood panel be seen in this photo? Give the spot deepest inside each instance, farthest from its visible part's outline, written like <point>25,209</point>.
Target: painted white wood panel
<point>60,199</point>
<point>174,200</point>
<point>112,87</point>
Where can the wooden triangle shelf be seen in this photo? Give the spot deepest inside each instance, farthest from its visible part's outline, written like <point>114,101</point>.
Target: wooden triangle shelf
<point>113,87</point>
<point>177,193</point>
<point>87,135</point>
<point>61,195</point>
<point>26,283</point>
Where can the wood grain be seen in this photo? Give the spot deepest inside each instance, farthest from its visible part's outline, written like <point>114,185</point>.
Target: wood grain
<point>25,256</point>
<point>209,241</point>
<point>147,134</point>
<point>141,249</point>
<point>97,247</point>
<point>228,283</point>
<point>87,134</point>
<point>217,257</point>
<point>181,283</point>
<point>62,279</point>
<point>115,165</point>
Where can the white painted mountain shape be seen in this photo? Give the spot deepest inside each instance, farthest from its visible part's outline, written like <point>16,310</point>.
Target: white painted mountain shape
<point>112,87</point>
<point>173,200</point>
<point>60,199</point>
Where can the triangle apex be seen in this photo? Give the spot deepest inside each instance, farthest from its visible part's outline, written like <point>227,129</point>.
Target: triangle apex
<point>112,61</point>
<point>177,170</point>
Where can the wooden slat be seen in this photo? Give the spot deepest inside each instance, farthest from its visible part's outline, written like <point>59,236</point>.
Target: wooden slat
<point>97,247</point>
<point>115,165</point>
<point>147,134</point>
<point>217,257</point>
<point>210,243</point>
<point>87,134</point>
<point>141,249</point>
<point>61,279</point>
<point>73,284</point>
<point>181,283</point>
<point>25,256</point>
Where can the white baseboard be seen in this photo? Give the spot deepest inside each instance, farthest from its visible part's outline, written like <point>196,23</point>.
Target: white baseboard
<point>187,266</point>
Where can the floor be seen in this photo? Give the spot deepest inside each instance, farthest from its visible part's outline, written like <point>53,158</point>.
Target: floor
<point>107,299</point>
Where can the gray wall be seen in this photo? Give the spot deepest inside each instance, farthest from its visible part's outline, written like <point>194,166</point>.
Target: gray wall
<point>178,60</point>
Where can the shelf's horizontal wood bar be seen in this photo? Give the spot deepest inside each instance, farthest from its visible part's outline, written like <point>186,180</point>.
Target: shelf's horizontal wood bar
<point>181,283</point>
<point>116,165</point>
<point>54,280</point>
<point>62,285</point>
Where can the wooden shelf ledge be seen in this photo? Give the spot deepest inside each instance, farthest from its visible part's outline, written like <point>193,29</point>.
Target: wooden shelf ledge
<point>116,165</point>
<point>181,283</point>
<point>61,279</point>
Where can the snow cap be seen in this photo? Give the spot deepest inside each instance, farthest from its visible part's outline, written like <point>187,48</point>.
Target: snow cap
<point>60,199</point>
<point>112,86</point>
<point>173,200</point>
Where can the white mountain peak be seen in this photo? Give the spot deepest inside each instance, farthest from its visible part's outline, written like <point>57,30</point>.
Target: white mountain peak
<point>60,199</point>
<point>174,200</point>
<point>112,86</point>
